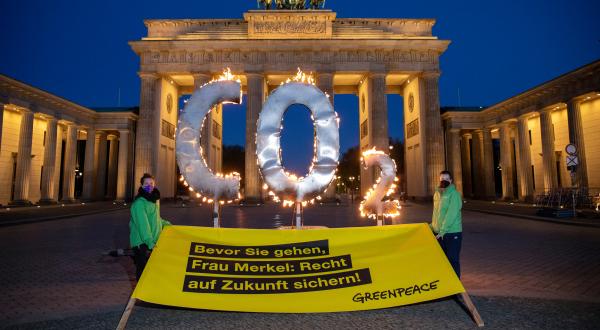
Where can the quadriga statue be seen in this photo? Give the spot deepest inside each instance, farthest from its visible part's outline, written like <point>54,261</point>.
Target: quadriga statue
<point>290,4</point>
<point>315,4</point>
<point>265,3</point>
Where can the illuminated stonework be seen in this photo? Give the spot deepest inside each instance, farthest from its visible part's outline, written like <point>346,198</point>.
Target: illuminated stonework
<point>361,56</point>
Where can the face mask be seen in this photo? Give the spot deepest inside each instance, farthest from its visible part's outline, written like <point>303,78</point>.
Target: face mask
<point>444,184</point>
<point>148,189</point>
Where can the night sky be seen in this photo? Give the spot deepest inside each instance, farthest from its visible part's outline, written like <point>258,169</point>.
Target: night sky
<point>78,50</point>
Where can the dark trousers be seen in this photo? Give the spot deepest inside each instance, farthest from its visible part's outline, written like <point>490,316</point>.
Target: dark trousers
<point>141,254</point>
<point>451,244</point>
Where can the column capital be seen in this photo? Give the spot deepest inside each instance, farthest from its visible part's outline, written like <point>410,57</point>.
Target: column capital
<point>26,110</point>
<point>466,135</point>
<point>50,119</point>
<point>148,75</point>
<point>577,99</point>
<point>431,74</point>
<point>101,133</point>
<point>201,78</point>
<point>325,73</point>
<point>509,122</point>
<point>111,136</point>
<point>254,74</point>
<point>551,108</point>
<point>526,116</point>
<point>377,74</point>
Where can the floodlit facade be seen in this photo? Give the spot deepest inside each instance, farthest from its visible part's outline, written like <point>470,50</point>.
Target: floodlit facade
<point>53,150</point>
<point>530,131</point>
<point>366,57</point>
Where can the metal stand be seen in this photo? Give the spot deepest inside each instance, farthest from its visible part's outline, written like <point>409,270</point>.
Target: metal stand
<point>298,215</point>
<point>574,183</point>
<point>216,215</point>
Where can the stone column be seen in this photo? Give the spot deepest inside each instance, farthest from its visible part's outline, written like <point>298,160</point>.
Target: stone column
<point>506,155</point>
<point>477,184</point>
<point>58,165</point>
<point>100,186</point>
<point>199,80</point>
<point>524,162</point>
<point>112,167</point>
<point>576,137</point>
<point>1,121</point>
<point>145,146</point>
<point>548,155</point>
<point>466,165</point>
<point>122,168</point>
<point>89,171</point>
<point>454,157</point>
<point>379,113</point>
<point>434,145</point>
<point>489,179</point>
<point>68,194</point>
<point>256,92</point>
<point>47,189</point>
<point>23,171</point>
<point>325,83</point>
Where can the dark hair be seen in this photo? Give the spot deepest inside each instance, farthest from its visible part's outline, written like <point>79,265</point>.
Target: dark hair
<point>449,174</point>
<point>146,176</point>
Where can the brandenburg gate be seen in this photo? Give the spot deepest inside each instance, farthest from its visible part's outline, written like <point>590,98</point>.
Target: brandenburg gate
<point>366,57</point>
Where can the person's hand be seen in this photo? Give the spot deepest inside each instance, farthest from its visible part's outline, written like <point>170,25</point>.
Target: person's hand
<point>145,250</point>
<point>438,236</point>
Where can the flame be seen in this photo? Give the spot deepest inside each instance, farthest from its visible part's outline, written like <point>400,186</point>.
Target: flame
<point>227,75</point>
<point>372,151</point>
<point>301,77</point>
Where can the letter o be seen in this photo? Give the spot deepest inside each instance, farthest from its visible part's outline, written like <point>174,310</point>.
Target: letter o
<point>189,158</point>
<point>327,144</point>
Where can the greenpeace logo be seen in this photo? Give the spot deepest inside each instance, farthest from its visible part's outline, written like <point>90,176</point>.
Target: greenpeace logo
<point>363,297</point>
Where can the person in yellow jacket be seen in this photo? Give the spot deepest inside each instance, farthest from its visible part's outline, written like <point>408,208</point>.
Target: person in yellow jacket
<point>145,223</point>
<point>446,221</point>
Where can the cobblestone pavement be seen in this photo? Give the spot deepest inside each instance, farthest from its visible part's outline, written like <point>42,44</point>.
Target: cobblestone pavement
<point>523,274</point>
<point>585,216</point>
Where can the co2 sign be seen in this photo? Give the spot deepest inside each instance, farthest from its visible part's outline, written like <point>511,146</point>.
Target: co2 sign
<point>217,187</point>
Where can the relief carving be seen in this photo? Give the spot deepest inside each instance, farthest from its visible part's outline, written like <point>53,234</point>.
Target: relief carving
<point>286,57</point>
<point>290,27</point>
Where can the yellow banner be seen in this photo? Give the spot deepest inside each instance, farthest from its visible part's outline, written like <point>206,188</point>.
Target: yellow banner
<point>296,271</point>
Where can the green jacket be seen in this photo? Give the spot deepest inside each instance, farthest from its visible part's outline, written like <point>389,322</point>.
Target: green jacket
<point>447,208</point>
<point>145,223</point>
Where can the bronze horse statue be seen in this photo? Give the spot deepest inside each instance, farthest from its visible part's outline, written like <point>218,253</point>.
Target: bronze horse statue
<point>315,4</point>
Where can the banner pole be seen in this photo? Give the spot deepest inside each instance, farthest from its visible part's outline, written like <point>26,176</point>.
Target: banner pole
<point>472,309</point>
<point>216,215</point>
<point>126,313</point>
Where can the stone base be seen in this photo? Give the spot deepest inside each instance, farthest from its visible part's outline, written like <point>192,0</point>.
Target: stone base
<point>23,202</point>
<point>250,201</point>
<point>329,200</point>
<point>48,202</point>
